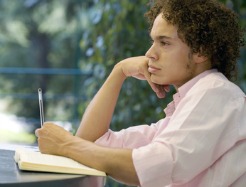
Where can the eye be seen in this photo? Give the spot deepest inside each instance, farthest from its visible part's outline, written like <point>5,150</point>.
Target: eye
<point>164,43</point>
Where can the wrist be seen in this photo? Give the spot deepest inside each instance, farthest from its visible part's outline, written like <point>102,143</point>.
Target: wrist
<point>67,147</point>
<point>119,71</point>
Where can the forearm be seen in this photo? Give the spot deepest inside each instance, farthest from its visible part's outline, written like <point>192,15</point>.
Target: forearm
<point>98,115</point>
<point>117,163</point>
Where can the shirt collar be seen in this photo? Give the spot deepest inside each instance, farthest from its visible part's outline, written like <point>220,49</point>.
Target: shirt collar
<point>183,90</point>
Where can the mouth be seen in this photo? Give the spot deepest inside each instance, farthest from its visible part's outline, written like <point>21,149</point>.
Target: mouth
<point>153,69</point>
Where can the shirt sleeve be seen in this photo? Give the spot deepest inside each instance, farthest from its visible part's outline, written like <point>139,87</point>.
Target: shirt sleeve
<point>203,127</point>
<point>132,137</point>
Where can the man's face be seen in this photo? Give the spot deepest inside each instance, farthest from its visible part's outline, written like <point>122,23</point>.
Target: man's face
<point>170,59</point>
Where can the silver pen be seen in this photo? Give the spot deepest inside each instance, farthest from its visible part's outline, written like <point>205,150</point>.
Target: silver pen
<point>41,108</point>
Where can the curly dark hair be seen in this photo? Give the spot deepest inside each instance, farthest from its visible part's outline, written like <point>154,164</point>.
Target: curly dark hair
<point>207,27</point>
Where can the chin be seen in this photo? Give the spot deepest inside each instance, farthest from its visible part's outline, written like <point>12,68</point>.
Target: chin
<point>159,82</point>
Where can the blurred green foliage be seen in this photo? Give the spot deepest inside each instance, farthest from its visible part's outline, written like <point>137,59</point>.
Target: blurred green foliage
<point>17,137</point>
<point>89,35</point>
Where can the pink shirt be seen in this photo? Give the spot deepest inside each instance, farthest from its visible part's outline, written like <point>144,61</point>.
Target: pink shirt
<point>200,143</point>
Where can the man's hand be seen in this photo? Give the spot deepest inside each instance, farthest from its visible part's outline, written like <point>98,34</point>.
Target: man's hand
<point>117,163</point>
<point>53,138</point>
<point>138,67</point>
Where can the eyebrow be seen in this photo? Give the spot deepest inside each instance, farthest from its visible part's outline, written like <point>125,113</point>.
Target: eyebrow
<point>161,37</point>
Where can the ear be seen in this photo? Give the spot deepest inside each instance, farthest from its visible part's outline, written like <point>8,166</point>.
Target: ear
<point>198,58</point>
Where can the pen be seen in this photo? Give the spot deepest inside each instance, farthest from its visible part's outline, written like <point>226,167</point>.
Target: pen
<point>41,109</point>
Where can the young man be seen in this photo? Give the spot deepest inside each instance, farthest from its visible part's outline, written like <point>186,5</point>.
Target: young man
<point>201,141</point>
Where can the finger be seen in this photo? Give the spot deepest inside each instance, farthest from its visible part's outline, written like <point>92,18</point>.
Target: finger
<point>161,93</point>
<point>166,88</point>
<point>48,123</point>
<point>41,133</point>
<point>37,132</point>
<point>51,125</point>
<point>152,85</point>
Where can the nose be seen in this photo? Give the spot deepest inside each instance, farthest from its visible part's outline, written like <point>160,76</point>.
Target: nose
<point>151,54</point>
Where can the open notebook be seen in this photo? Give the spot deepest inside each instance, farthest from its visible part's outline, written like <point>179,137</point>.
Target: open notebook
<point>32,160</point>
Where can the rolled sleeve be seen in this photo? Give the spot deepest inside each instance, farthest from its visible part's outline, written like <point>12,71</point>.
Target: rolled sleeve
<point>199,132</point>
<point>132,137</point>
<point>188,146</point>
<point>153,164</point>
<point>111,139</point>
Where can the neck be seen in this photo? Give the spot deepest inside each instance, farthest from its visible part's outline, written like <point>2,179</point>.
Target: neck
<point>194,70</point>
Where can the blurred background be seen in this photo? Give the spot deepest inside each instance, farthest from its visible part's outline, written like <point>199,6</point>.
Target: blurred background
<point>67,48</point>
